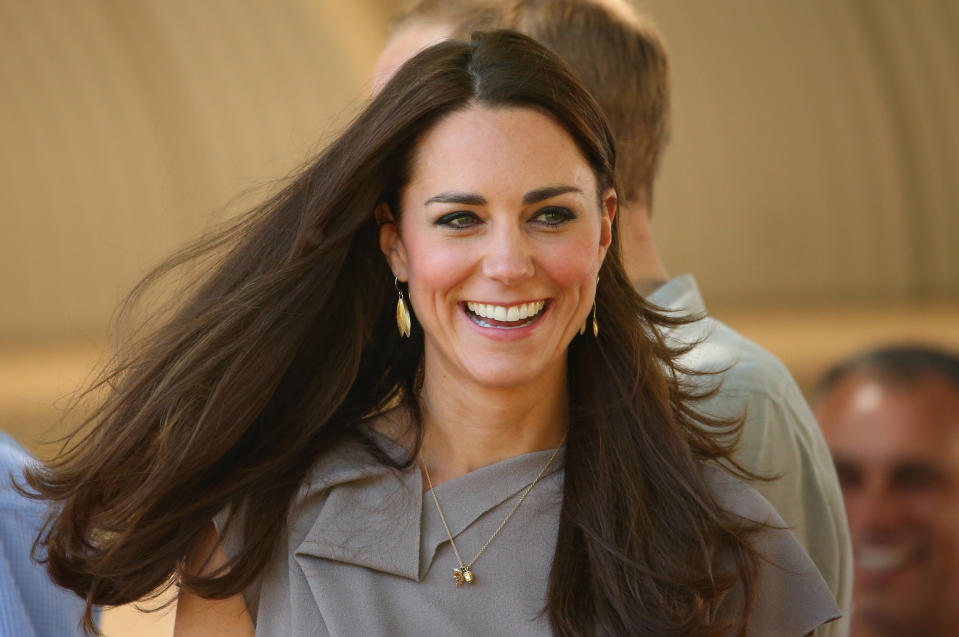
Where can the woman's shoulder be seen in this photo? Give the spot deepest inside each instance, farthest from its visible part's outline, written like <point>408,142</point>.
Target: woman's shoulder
<point>332,515</point>
<point>352,457</point>
<point>363,453</point>
<point>365,449</point>
<point>792,598</point>
<point>354,469</point>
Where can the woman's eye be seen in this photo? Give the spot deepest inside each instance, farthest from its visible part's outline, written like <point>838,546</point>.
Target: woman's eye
<point>459,219</point>
<point>554,216</point>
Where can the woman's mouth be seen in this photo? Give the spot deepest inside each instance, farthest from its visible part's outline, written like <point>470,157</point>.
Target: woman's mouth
<point>505,317</point>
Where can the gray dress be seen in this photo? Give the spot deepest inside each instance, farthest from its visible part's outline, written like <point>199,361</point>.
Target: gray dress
<point>367,554</point>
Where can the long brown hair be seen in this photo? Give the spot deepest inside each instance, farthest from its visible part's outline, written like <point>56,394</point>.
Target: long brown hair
<point>289,343</point>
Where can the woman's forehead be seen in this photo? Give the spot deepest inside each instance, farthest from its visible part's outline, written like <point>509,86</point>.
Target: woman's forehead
<point>496,147</point>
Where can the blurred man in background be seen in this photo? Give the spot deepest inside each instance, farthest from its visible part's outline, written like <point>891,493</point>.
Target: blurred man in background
<point>891,417</point>
<point>620,58</point>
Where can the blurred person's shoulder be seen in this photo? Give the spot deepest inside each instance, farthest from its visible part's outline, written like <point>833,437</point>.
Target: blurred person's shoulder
<point>780,436</point>
<point>741,364</point>
<point>13,460</point>
<point>31,605</point>
<point>12,455</point>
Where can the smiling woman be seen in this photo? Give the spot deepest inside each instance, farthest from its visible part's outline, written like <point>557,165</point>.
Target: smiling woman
<point>379,413</point>
<point>502,270</point>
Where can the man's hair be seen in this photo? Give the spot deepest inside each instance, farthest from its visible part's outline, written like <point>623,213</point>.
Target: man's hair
<point>897,364</point>
<point>462,16</point>
<point>615,53</point>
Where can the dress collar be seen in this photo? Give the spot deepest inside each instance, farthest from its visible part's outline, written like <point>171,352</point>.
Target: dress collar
<point>355,510</point>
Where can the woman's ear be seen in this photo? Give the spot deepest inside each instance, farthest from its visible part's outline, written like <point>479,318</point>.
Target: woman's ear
<point>391,244</point>
<point>609,207</point>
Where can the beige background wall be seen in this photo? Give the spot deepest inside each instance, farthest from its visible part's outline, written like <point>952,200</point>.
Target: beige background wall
<point>813,180</point>
<point>816,149</point>
<point>126,124</point>
<point>814,154</point>
<point>811,184</point>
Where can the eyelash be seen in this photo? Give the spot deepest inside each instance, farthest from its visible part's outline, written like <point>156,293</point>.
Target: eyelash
<point>450,220</point>
<point>565,215</point>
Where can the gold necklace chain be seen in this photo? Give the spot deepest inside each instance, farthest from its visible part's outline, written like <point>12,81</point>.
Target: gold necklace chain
<point>464,574</point>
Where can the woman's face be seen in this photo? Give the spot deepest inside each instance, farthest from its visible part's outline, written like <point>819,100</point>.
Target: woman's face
<point>501,238</point>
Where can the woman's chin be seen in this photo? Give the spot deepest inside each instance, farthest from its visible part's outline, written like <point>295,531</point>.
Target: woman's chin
<point>505,374</point>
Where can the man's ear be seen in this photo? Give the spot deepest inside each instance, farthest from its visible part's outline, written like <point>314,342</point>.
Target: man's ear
<point>608,210</point>
<point>391,244</point>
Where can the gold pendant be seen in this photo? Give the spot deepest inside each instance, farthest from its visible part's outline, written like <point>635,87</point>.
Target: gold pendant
<point>462,575</point>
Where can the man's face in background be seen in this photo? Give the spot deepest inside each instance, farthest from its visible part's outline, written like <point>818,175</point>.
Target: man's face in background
<point>896,449</point>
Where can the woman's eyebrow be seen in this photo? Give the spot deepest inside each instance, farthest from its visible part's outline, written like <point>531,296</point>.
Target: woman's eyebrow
<point>465,198</point>
<point>542,194</point>
<point>475,199</point>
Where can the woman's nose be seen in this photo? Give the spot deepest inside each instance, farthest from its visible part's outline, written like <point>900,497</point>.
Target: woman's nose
<point>508,258</point>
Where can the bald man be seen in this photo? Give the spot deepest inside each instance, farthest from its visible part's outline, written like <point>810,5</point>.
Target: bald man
<point>891,418</point>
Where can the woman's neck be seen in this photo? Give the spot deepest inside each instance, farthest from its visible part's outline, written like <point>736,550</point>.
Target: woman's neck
<point>467,426</point>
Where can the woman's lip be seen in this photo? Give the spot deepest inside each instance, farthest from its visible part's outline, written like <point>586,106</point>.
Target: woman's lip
<point>500,313</point>
<point>505,332</point>
<point>506,305</point>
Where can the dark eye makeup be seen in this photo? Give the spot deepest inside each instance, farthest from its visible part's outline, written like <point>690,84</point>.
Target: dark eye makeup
<point>554,215</point>
<point>458,219</point>
<point>550,216</point>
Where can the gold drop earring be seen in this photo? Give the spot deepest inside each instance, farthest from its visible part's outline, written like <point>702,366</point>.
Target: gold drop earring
<point>595,322</point>
<point>582,330</point>
<point>403,322</point>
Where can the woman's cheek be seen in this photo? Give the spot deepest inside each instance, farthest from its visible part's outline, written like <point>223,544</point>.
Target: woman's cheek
<point>435,268</point>
<point>574,263</point>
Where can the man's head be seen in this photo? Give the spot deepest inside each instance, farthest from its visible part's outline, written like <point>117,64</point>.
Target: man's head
<point>617,55</point>
<point>621,60</point>
<point>891,418</point>
<point>430,21</point>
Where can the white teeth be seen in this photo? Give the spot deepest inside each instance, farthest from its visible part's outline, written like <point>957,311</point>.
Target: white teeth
<point>510,313</point>
<point>883,558</point>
